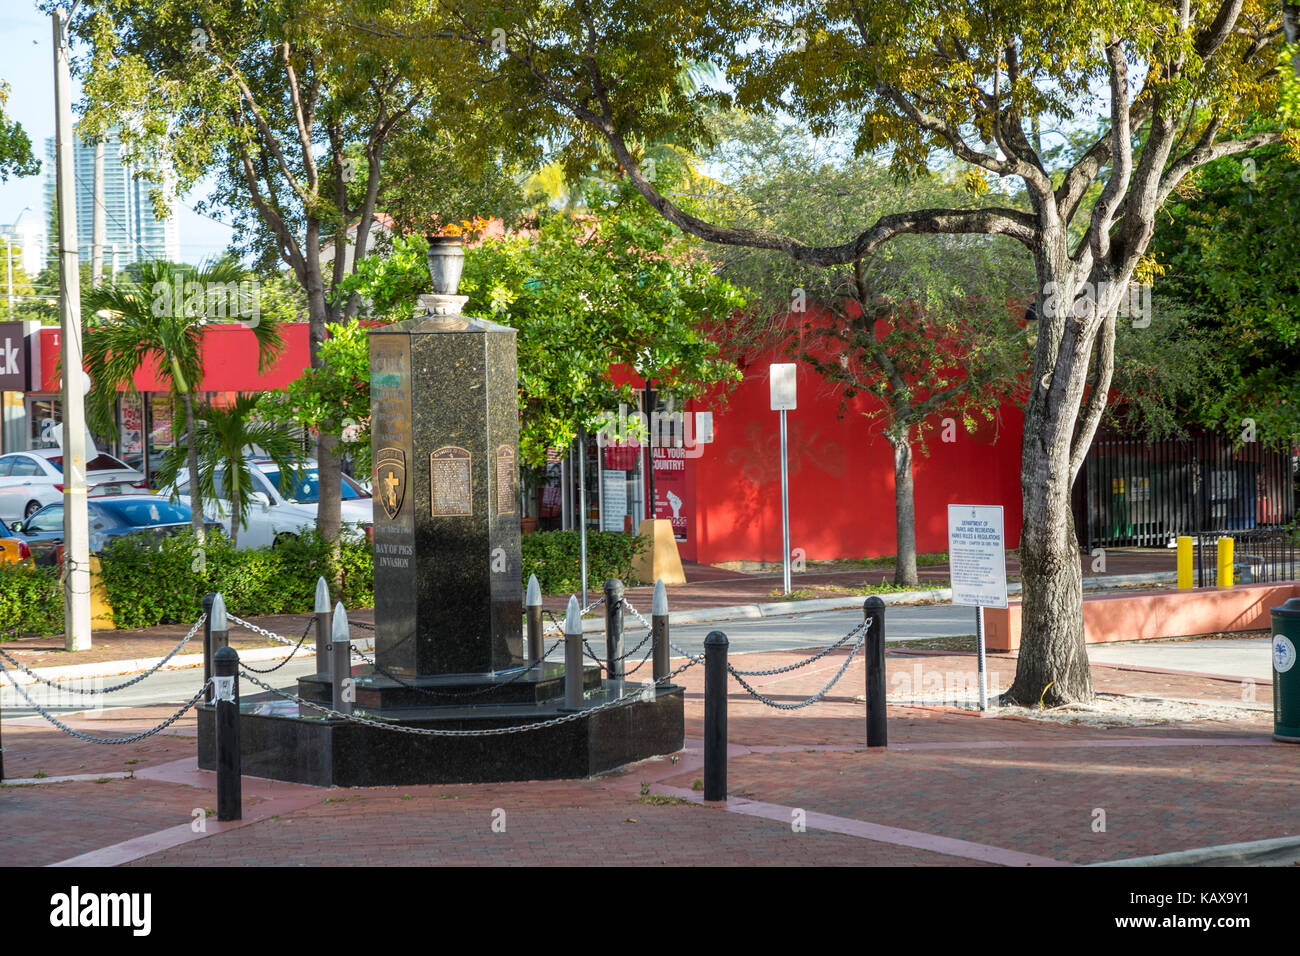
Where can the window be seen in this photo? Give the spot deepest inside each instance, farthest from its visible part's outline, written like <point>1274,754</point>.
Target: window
<point>6,463</point>
<point>25,467</point>
<point>141,514</point>
<point>45,521</point>
<point>306,485</point>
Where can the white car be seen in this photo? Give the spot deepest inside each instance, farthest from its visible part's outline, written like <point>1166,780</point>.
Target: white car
<point>274,515</point>
<point>30,480</point>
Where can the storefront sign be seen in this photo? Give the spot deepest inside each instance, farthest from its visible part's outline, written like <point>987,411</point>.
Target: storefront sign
<point>13,357</point>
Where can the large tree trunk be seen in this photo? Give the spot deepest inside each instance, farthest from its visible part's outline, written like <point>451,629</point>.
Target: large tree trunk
<point>1052,666</point>
<point>329,468</point>
<point>192,459</point>
<point>904,513</point>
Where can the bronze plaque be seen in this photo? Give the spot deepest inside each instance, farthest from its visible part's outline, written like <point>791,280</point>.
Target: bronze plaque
<point>506,480</point>
<point>450,486</point>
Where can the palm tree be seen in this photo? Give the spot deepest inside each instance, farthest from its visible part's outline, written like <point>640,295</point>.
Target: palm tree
<point>159,318</point>
<point>221,440</point>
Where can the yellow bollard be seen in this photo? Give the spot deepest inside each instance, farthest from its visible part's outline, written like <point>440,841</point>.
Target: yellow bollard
<point>1184,562</point>
<point>1225,562</point>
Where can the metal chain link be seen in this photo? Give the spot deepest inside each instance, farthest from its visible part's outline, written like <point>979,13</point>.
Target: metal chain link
<point>559,629</point>
<point>621,657</point>
<point>59,685</point>
<point>806,661</point>
<point>431,732</point>
<point>272,670</point>
<point>263,631</point>
<point>807,701</point>
<point>104,740</point>
<point>462,694</point>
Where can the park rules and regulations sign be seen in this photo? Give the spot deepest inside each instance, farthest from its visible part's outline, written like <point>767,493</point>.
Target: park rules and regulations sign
<point>977,555</point>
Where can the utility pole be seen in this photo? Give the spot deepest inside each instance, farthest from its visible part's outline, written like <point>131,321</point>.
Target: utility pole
<point>76,535</point>
<point>97,220</point>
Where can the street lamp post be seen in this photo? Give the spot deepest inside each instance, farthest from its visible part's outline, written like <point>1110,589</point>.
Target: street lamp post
<point>76,553</point>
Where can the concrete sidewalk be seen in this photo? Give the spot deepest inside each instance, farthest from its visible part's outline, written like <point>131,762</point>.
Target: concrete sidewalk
<point>953,788</point>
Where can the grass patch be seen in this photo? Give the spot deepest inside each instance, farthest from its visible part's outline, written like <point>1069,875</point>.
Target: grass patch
<point>841,590</point>
<point>928,560</point>
<point>965,643</point>
<point>39,775</point>
<point>698,784</point>
<point>657,800</point>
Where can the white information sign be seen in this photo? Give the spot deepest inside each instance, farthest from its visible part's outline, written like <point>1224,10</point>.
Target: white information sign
<point>782,382</point>
<point>977,557</point>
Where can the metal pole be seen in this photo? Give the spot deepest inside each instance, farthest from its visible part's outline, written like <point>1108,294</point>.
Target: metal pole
<point>226,677</point>
<point>873,609</point>
<point>659,630</point>
<point>614,630</point>
<point>97,219</point>
<point>9,262</point>
<point>573,656</point>
<point>582,513</point>
<point>207,643</point>
<point>217,632</point>
<point>785,510</point>
<point>321,609</point>
<point>533,605</point>
<point>715,716</point>
<point>651,511</point>
<point>340,660</point>
<point>979,645</point>
<point>76,531</point>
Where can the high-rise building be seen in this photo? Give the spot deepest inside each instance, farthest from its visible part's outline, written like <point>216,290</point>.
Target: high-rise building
<point>130,227</point>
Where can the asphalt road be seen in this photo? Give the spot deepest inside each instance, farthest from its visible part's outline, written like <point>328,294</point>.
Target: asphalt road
<point>745,635</point>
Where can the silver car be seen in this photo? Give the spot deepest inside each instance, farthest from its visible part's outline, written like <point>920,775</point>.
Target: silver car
<point>30,480</point>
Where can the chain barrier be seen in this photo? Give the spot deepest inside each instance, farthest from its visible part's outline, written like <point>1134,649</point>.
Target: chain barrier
<point>685,653</point>
<point>807,701</point>
<point>469,693</point>
<point>272,670</point>
<point>809,660</point>
<point>62,686</point>
<point>637,614</point>
<point>104,740</point>
<point>498,731</point>
<point>264,632</point>
<point>559,629</point>
<point>621,657</point>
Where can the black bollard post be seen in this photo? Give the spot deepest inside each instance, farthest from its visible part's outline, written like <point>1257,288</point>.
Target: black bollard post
<point>873,609</point>
<point>229,783</point>
<point>659,628</point>
<point>715,716</point>
<point>207,643</point>
<point>533,605</point>
<point>614,629</point>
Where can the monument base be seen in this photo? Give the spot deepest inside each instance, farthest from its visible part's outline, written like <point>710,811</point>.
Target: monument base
<point>535,685</point>
<point>282,740</point>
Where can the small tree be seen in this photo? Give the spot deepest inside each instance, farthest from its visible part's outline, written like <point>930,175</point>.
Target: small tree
<point>221,441</point>
<point>158,320</point>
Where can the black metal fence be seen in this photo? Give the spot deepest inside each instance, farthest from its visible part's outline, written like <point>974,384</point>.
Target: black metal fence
<point>1135,492</point>
<point>1258,557</point>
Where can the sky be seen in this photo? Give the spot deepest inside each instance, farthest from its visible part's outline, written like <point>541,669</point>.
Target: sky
<point>27,65</point>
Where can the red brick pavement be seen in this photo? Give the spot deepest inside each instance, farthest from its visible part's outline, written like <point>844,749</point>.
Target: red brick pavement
<point>954,788</point>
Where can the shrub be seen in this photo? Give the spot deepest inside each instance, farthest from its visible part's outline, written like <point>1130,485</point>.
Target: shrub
<point>150,582</point>
<point>554,557</point>
<point>31,601</point>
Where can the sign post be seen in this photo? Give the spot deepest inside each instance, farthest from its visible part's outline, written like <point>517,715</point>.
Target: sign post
<point>977,561</point>
<point>782,378</point>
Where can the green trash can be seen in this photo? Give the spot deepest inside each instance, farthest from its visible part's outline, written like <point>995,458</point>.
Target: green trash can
<point>1286,675</point>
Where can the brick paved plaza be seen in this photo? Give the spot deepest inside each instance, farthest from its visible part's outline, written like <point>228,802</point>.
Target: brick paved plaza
<point>953,788</point>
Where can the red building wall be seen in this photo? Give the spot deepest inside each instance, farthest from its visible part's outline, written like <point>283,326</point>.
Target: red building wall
<point>841,477</point>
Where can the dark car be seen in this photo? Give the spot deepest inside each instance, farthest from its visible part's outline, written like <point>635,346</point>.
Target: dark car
<point>110,519</point>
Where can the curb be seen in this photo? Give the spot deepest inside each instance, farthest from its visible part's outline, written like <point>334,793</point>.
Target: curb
<point>1281,851</point>
<point>179,662</point>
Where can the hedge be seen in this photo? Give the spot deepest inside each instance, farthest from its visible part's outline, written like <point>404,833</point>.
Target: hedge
<point>152,582</point>
<point>555,558</point>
